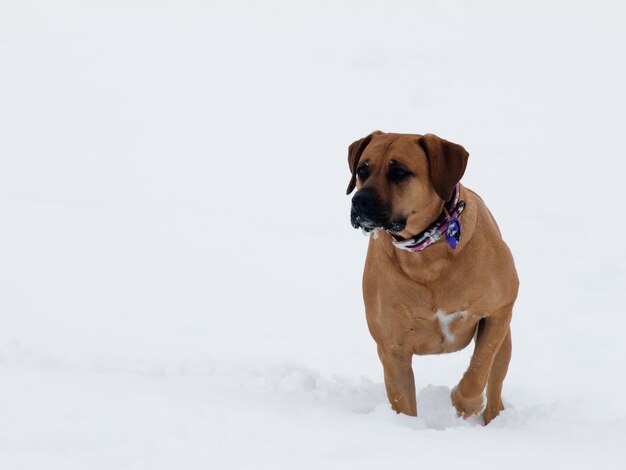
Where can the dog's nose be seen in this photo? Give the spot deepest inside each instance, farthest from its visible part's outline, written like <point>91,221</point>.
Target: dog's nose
<point>364,200</point>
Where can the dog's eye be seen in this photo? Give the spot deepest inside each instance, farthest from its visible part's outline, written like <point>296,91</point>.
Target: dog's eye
<point>398,174</point>
<point>362,172</point>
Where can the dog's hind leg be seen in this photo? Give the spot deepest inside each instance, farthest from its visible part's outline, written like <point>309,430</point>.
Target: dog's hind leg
<point>399,380</point>
<point>496,377</point>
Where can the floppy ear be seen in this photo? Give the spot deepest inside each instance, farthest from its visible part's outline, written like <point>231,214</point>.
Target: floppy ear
<point>354,154</point>
<point>446,161</point>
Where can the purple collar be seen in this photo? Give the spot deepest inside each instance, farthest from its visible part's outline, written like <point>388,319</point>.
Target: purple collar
<point>447,223</point>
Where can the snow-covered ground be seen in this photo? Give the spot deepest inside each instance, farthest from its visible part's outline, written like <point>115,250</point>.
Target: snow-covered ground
<point>179,281</point>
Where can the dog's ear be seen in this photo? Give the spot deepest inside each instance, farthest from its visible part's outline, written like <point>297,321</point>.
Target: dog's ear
<point>354,155</point>
<point>446,161</point>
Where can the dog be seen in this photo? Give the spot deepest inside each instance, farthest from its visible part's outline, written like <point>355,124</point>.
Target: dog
<point>437,273</point>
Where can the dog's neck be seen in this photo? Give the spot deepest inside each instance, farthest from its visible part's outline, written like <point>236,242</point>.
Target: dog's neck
<point>429,265</point>
<point>445,226</point>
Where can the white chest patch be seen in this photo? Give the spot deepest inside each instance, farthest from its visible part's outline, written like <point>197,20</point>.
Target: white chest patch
<point>445,320</point>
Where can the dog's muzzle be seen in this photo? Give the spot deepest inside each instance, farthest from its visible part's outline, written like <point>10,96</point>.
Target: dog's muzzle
<point>368,213</point>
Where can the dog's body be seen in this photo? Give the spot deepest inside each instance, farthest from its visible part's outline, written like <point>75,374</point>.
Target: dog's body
<point>436,300</point>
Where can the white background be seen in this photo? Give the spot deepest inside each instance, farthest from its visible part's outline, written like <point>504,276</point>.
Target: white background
<point>179,281</point>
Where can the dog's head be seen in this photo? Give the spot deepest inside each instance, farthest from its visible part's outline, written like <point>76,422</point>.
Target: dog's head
<point>402,180</point>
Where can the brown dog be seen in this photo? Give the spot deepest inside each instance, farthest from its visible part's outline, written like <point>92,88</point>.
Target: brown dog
<point>437,272</point>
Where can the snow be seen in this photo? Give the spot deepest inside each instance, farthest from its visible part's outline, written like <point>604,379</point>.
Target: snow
<point>180,286</point>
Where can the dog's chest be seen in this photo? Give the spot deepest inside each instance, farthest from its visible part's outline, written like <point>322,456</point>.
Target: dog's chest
<point>442,332</point>
<point>449,323</point>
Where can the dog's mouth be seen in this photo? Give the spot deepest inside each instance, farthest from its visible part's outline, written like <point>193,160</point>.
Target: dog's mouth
<point>368,224</point>
<point>397,226</point>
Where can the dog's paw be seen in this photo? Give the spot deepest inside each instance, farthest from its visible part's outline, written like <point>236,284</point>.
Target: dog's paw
<point>492,410</point>
<point>466,407</point>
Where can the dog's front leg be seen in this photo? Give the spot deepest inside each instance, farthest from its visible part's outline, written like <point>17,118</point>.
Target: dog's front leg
<point>399,380</point>
<point>467,396</point>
